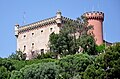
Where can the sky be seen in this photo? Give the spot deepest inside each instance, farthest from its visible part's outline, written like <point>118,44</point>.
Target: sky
<point>23,12</point>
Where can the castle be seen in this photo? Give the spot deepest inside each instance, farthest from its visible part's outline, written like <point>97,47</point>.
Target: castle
<point>34,37</point>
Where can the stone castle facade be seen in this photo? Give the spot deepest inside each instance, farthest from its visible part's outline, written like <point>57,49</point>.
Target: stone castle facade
<point>34,37</point>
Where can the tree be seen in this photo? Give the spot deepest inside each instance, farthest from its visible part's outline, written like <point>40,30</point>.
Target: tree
<point>72,36</point>
<point>74,65</point>
<point>54,45</point>
<point>106,65</point>
<point>61,43</point>
<point>17,75</point>
<point>46,55</point>
<point>100,48</point>
<point>112,61</point>
<point>7,64</point>
<point>13,56</point>
<point>86,39</point>
<point>4,73</point>
<point>18,56</point>
<point>88,44</point>
<point>37,71</point>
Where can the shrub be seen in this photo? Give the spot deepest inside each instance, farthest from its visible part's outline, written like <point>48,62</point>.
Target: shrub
<point>74,65</point>
<point>46,55</point>
<point>37,71</point>
<point>4,73</point>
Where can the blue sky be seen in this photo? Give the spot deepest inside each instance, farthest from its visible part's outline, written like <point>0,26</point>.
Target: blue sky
<point>12,12</point>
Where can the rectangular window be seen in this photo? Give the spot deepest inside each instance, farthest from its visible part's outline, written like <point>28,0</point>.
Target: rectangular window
<point>32,45</point>
<point>24,48</point>
<point>33,52</point>
<point>42,51</point>
<point>51,29</point>
<point>41,31</point>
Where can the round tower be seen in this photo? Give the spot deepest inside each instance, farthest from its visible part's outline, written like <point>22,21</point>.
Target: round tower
<point>96,19</point>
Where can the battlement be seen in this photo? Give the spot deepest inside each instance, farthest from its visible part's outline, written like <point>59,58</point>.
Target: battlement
<point>94,15</point>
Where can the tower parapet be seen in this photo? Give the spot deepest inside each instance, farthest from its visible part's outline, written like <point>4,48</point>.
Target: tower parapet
<point>96,15</point>
<point>96,19</point>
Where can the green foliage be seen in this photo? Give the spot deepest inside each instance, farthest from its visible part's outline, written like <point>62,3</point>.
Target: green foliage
<point>7,64</point>
<point>87,42</point>
<point>93,72</point>
<point>4,73</point>
<point>100,49</point>
<point>112,61</point>
<point>53,42</point>
<point>78,66</point>
<point>14,56</point>
<point>18,56</point>
<point>46,55</point>
<point>37,71</point>
<point>67,42</point>
<point>74,65</point>
<point>16,75</point>
<point>61,43</point>
<point>20,64</point>
<point>106,66</point>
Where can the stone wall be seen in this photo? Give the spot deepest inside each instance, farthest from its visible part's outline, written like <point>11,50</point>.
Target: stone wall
<point>36,40</point>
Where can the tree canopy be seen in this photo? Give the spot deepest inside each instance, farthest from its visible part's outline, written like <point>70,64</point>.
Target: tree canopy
<point>72,36</point>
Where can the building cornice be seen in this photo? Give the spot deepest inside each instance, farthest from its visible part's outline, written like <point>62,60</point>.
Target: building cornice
<point>37,24</point>
<point>41,23</point>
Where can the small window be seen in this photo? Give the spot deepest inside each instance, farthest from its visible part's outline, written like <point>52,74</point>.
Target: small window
<point>24,48</point>
<point>24,36</point>
<point>51,29</point>
<point>42,51</point>
<point>32,45</point>
<point>32,33</point>
<point>33,52</point>
<point>41,31</point>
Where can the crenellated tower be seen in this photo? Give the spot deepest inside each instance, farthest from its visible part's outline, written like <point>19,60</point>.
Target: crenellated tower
<point>96,19</point>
